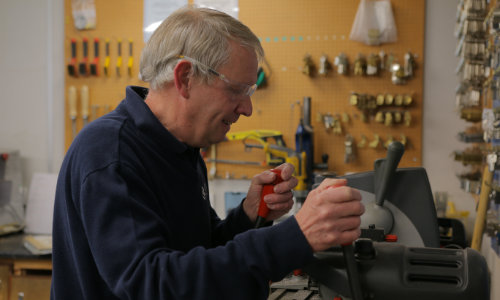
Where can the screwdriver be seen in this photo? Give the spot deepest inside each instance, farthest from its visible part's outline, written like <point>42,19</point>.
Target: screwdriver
<point>84,98</point>
<point>130,57</point>
<point>83,65</point>
<point>72,109</point>
<point>119,58</point>
<point>266,189</point>
<point>107,59</point>
<point>72,63</point>
<point>94,66</point>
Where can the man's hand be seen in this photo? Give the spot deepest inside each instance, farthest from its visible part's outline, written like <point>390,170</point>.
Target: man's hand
<point>331,215</point>
<point>279,202</point>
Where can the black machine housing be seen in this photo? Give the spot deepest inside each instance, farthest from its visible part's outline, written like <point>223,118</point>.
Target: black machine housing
<point>401,270</point>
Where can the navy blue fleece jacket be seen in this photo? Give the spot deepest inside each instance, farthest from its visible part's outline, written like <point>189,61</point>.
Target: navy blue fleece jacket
<point>132,220</point>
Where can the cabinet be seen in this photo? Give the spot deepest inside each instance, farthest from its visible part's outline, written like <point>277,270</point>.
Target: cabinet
<point>4,281</point>
<point>22,272</point>
<point>31,277</point>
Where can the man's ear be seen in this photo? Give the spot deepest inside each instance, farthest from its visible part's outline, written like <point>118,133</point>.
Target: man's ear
<point>182,78</point>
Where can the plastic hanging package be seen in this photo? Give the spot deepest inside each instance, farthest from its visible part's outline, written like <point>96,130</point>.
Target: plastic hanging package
<point>374,23</point>
<point>84,15</point>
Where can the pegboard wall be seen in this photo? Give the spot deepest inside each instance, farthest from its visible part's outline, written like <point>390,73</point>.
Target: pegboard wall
<point>116,21</point>
<point>288,31</point>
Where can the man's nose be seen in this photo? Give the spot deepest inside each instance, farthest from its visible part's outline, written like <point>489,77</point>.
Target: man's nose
<point>245,107</point>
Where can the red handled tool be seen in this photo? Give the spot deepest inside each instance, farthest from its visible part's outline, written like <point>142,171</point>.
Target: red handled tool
<point>83,64</point>
<point>94,66</point>
<point>266,189</point>
<point>72,62</point>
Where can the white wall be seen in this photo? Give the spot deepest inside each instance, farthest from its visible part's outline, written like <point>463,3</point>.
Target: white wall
<point>32,81</point>
<point>440,117</point>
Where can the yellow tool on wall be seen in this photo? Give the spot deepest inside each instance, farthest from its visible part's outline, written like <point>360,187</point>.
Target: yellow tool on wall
<point>261,136</point>
<point>119,58</point>
<point>107,59</point>
<point>275,153</point>
<point>130,62</point>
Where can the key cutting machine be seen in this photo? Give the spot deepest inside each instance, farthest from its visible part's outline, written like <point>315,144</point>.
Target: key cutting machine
<point>398,254</point>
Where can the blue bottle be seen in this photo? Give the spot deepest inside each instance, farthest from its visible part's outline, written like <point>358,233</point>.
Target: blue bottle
<point>304,139</point>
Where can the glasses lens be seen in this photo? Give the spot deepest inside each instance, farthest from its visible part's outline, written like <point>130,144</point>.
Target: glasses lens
<point>251,89</point>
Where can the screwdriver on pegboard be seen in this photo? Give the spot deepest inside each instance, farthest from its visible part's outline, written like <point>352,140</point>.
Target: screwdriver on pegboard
<point>119,58</point>
<point>83,64</point>
<point>106,59</point>
<point>72,109</point>
<point>72,62</point>
<point>94,66</point>
<point>130,63</point>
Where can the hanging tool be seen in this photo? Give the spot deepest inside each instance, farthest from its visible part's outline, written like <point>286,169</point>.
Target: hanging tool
<point>83,64</point>
<point>106,60</point>
<point>308,67</point>
<point>94,66</point>
<point>324,65</point>
<point>349,155</point>
<point>119,58</point>
<point>130,57</point>
<point>342,64</point>
<point>276,154</point>
<point>266,190</point>
<point>94,109</point>
<point>72,62</point>
<point>72,109</point>
<point>260,135</point>
<point>84,97</point>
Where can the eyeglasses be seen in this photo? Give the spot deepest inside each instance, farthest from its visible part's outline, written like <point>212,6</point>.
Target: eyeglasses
<point>239,88</point>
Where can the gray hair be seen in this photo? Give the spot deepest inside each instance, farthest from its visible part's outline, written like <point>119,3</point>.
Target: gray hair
<point>199,33</point>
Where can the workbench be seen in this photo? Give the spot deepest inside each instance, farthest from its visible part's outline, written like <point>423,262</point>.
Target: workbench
<point>23,272</point>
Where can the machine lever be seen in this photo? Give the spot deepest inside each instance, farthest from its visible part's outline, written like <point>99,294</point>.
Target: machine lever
<point>352,272</point>
<point>376,214</point>
<point>384,170</point>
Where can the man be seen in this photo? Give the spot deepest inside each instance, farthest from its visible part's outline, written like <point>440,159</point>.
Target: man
<point>132,219</point>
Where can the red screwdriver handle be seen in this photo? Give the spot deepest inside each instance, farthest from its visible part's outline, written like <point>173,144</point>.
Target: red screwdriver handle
<point>266,190</point>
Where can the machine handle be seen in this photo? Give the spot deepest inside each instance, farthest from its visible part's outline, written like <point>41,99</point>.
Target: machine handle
<point>352,272</point>
<point>388,167</point>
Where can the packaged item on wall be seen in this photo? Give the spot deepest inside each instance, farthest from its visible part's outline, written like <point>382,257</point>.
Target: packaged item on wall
<point>374,23</point>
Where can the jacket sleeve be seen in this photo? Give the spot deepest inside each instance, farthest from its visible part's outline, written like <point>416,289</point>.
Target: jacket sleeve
<point>235,222</point>
<point>126,236</point>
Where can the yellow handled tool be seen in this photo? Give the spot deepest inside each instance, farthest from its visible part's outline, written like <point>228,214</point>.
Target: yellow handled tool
<point>72,109</point>
<point>130,57</point>
<point>106,59</point>
<point>84,97</point>
<point>119,59</point>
